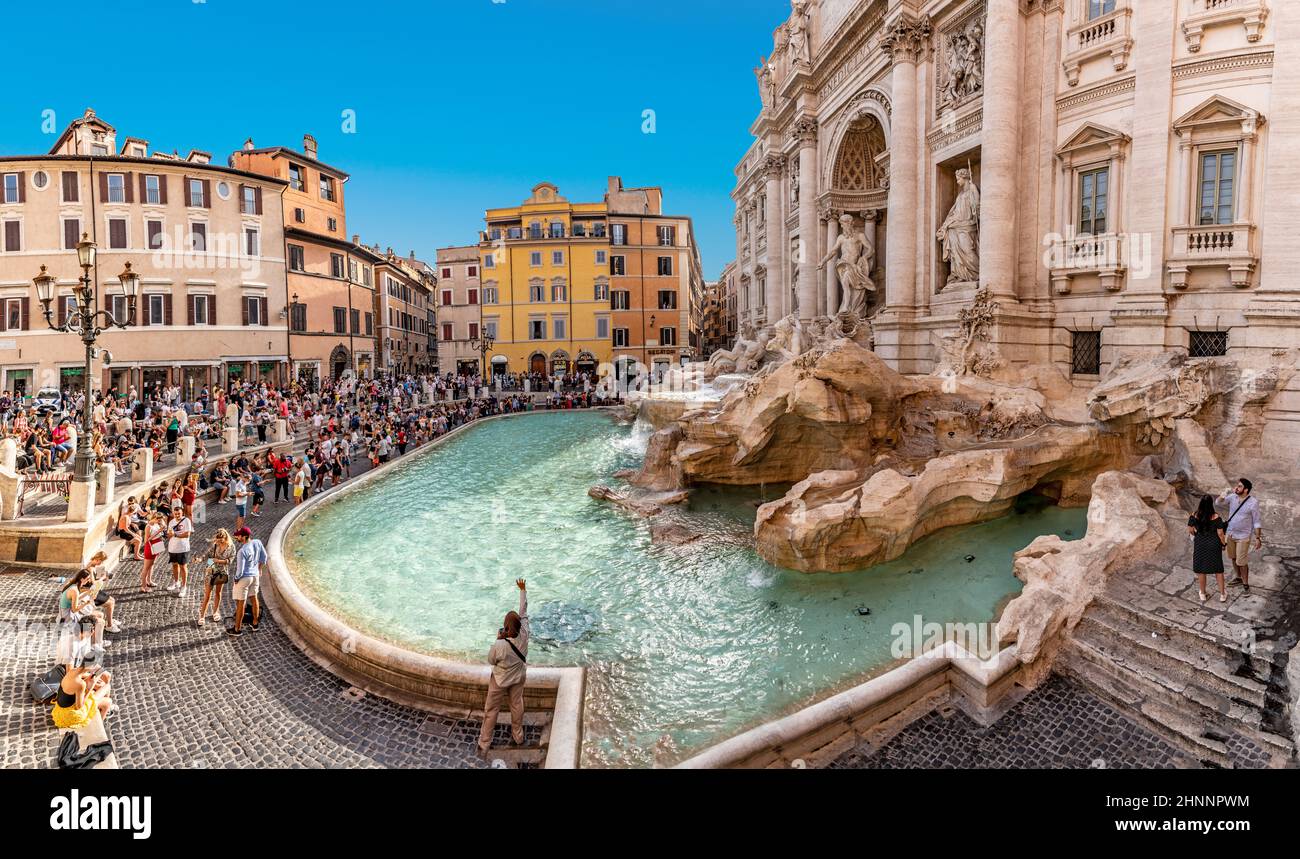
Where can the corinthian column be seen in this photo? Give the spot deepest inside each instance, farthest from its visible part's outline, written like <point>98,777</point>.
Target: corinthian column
<point>804,132</point>
<point>1000,153</point>
<point>774,170</point>
<point>832,297</point>
<point>904,42</point>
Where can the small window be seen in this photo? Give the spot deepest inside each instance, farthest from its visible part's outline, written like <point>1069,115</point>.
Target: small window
<point>157,310</point>
<point>71,233</point>
<point>559,329</point>
<point>13,236</point>
<point>152,190</point>
<point>248,203</point>
<point>490,295</point>
<point>602,258</point>
<point>447,298</point>
<point>117,233</point>
<point>1094,193</point>
<point>557,257</point>
<point>667,336</point>
<point>40,179</point>
<point>618,265</point>
<point>489,261</point>
<point>618,234</point>
<point>296,178</point>
<point>296,261</point>
<point>195,193</point>
<point>300,215</point>
<point>602,328</point>
<point>336,265</point>
<point>622,299</point>
<point>665,266</point>
<point>333,224</point>
<point>537,329</point>
<point>490,328</point>
<point>199,237</point>
<point>1217,183</point>
<point>1207,344</point>
<point>448,332</point>
<point>602,292</point>
<point>298,317</point>
<point>667,236</point>
<point>116,188</point>
<point>667,299</point>
<point>255,306</point>
<point>621,337</point>
<point>1097,8</point>
<point>559,293</point>
<point>252,242</point>
<point>473,297</point>
<point>340,320</point>
<point>535,293</point>
<point>535,258</point>
<point>201,309</point>
<point>471,271</point>
<point>557,230</point>
<point>1086,353</point>
<point>153,234</point>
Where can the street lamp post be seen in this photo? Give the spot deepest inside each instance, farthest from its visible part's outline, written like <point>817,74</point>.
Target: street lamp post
<point>483,344</point>
<point>85,320</point>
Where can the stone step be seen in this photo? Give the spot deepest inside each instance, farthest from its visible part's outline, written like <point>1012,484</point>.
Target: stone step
<point>1204,666</point>
<point>1259,663</point>
<point>1176,731</point>
<point>1158,682</point>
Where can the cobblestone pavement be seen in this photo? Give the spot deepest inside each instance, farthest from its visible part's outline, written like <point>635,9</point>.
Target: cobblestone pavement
<point>195,697</point>
<point>1058,725</point>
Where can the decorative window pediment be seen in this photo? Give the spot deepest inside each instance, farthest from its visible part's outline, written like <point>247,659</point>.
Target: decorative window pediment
<point>1091,138</point>
<point>1219,114</point>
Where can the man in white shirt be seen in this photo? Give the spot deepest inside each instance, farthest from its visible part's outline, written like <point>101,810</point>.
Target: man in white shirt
<point>1244,519</point>
<point>179,530</point>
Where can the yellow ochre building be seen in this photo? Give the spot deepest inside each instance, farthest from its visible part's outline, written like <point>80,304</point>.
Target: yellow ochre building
<point>545,282</point>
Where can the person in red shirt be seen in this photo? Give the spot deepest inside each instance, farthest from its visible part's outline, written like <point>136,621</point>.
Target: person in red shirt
<point>280,467</point>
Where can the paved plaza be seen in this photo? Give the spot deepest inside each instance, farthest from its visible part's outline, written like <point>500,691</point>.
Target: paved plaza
<point>1058,725</point>
<point>196,697</point>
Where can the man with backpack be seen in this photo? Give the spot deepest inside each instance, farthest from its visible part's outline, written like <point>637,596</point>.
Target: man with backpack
<point>508,657</point>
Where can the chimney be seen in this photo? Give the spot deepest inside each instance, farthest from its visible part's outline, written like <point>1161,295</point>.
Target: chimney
<point>356,239</point>
<point>309,146</point>
<point>412,256</point>
<point>615,184</point>
<point>248,145</point>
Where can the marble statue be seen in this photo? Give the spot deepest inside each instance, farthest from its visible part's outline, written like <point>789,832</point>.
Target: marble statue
<point>960,232</point>
<point>800,50</point>
<point>766,83</point>
<point>745,357</point>
<point>857,257</point>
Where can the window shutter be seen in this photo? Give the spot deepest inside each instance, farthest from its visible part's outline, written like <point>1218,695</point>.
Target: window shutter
<point>127,179</point>
<point>167,309</point>
<point>142,309</point>
<point>22,187</point>
<point>189,309</point>
<point>246,300</point>
<point>241,200</point>
<point>70,188</point>
<point>144,192</point>
<point>103,187</point>
<point>162,188</point>
<point>63,308</point>
<point>207,194</point>
<point>25,304</point>
<point>257,201</point>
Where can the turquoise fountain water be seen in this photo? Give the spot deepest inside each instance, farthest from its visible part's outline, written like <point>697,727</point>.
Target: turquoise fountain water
<point>685,644</point>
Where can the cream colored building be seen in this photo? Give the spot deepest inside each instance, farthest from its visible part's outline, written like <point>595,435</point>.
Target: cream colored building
<point>1135,162</point>
<point>207,241</point>
<point>460,310</point>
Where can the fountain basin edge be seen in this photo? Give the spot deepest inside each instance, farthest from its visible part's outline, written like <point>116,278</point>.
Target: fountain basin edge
<point>406,677</point>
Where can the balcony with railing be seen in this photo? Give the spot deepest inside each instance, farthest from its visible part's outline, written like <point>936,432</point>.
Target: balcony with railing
<point>1102,256</point>
<point>1206,14</point>
<point>1108,35</point>
<point>1230,246</point>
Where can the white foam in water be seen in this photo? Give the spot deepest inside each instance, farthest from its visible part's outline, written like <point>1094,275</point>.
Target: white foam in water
<point>636,442</point>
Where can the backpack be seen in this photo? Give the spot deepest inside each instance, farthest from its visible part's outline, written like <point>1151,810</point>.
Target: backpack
<point>45,686</point>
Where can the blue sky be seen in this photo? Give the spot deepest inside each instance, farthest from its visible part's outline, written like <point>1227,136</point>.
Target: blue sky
<point>460,105</point>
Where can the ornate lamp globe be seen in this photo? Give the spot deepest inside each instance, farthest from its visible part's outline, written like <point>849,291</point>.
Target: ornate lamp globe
<point>130,284</point>
<point>44,287</point>
<point>86,251</point>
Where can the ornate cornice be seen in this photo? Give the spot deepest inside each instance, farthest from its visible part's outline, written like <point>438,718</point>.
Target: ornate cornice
<point>1073,100</point>
<point>949,133</point>
<point>803,131</point>
<point>1219,65</point>
<point>905,41</point>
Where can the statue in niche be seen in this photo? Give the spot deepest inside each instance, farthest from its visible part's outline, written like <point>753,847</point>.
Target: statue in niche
<point>766,83</point>
<point>857,257</point>
<point>959,232</point>
<point>800,50</point>
<point>794,183</point>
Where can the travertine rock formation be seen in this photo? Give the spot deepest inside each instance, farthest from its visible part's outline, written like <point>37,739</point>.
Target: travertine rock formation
<point>830,409</point>
<point>1150,393</point>
<point>845,520</point>
<point>1128,521</point>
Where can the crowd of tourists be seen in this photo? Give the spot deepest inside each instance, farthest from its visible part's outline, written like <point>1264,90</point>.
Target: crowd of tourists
<point>337,426</point>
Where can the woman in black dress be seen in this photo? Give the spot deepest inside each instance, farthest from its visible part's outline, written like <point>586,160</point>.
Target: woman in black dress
<point>1208,541</point>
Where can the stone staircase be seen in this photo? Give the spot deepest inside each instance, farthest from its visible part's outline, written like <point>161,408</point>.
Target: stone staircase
<point>1222,704</point>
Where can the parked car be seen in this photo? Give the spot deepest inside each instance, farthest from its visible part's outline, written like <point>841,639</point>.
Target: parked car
<point>48,400</point>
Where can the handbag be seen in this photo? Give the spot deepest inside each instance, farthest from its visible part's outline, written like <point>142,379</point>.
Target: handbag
<point>45,686</point>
